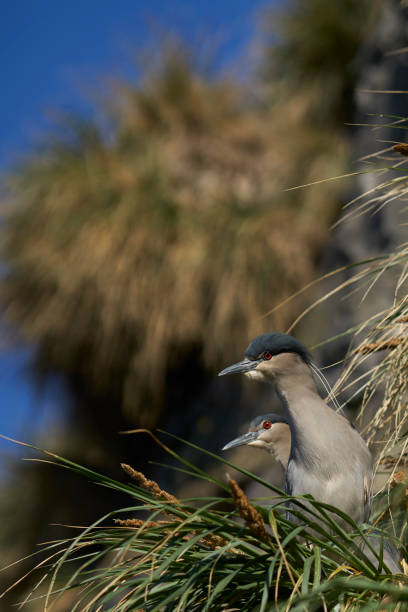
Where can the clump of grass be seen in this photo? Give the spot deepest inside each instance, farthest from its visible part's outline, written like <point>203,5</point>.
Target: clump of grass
<point>153,488</point>
<point>154,565</point>
<point>165,238</point>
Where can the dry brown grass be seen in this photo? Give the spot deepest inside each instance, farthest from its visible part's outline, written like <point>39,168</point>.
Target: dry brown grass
<point>375,373</point>
<point>171,237</point>
<point>149,485</point>
<point>212,540</point>
<point>251,516</point>
<point>385,381</point>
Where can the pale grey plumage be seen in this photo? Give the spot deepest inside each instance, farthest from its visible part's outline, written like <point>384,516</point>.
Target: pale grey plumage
<point>328,457</point>
<point>271,433</point>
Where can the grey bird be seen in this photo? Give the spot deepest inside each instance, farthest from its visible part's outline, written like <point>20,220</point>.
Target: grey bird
<point>328,457</point>
<point>271,433</point>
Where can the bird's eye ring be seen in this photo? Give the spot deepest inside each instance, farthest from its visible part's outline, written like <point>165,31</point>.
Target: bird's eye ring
<point>267,424</point>
<point>267,355</point>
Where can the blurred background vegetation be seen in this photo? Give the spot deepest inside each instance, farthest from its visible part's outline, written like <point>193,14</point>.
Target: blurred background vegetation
<point>143,246</point>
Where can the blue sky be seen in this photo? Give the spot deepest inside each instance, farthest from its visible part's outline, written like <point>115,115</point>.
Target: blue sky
<point>51,52</point>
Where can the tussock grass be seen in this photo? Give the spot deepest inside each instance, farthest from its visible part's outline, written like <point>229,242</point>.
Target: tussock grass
<point>166,237</point>
<point>204,558</point>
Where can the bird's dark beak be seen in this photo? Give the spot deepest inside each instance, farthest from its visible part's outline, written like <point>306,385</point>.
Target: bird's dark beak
<point>244,439</point>
<point>242,366</point>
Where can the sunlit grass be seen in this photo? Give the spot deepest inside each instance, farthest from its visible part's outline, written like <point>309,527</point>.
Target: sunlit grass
<point>162,553</point>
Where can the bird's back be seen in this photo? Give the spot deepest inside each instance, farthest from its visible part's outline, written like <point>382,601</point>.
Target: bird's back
<point>334,465</point>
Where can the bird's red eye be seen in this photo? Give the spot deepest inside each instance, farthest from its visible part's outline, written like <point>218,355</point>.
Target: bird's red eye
<point>267,424</point>
<point>267,355</point>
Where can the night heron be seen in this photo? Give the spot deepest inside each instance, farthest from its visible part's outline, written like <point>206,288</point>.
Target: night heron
<point>328,457</point>
<point>271,433</point>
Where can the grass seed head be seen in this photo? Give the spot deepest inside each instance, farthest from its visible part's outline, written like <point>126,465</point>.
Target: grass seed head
<point>251,516</point>
<point>149,485</point>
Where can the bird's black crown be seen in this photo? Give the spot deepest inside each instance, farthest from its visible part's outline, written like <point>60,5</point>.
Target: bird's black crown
<point>276,343</point>
<point>273,418</point>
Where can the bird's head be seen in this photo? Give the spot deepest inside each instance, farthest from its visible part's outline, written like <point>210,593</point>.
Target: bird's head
<point>264,432</point>
<point>270,356</point>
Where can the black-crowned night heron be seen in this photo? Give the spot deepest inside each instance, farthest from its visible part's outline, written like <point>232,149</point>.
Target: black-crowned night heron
<point>271,433</point>
<point>328,457</point>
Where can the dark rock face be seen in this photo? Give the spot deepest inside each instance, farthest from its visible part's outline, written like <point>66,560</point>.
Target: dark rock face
<point>383,66</point>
